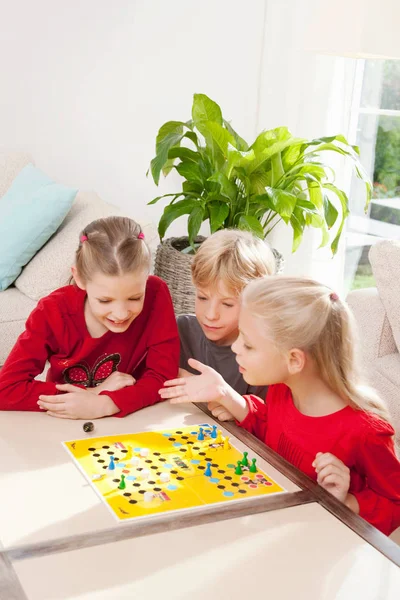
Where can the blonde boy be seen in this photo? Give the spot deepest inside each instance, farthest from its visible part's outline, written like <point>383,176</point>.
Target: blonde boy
<point>225,263</point>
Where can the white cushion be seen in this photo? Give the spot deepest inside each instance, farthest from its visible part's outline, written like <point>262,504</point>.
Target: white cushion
<point>15,307</point>
<point>385,261</point>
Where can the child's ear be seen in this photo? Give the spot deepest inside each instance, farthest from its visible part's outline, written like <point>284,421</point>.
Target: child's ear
<point>77,279</point>
<point>296,361</point>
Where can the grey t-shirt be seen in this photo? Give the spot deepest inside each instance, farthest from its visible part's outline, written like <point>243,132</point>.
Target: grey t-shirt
<point>194,344</point>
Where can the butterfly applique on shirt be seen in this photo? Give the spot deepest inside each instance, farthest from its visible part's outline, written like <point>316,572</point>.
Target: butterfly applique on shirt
<point>82,375</point>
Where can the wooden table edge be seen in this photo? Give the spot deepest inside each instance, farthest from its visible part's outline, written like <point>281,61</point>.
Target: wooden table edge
<point>366,531</point>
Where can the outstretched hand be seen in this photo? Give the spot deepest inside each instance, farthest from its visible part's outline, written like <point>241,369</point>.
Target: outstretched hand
<point>206,387</point>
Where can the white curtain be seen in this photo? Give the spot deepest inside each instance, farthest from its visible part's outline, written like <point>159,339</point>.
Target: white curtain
<point>312,95</point>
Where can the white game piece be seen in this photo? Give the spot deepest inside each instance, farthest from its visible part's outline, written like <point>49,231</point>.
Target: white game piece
<point>164,477</point>
<point>135,460</point>
<point>97,476</point>
<point>144,452</point>
<point>148,496</point>
<point>145,474</point>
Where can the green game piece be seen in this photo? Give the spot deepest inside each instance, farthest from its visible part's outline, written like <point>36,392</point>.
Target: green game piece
<point>245,461</point>
<point>122,484</point>
<point>253,468</point>
<point>238,470</point>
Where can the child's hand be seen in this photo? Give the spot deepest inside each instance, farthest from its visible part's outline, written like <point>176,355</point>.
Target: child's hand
<point>332,475</point>
<point>206,387</point>
<point>77,403</point>
<point>115,381</point>
<point>220,412</point>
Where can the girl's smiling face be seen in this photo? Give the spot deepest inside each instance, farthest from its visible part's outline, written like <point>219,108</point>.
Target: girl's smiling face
<point>113,302</point>
<point>259,360</point>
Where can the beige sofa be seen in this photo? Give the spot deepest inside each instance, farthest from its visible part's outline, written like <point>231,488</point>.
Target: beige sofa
<point>377,311</point>
<point>50,267</point>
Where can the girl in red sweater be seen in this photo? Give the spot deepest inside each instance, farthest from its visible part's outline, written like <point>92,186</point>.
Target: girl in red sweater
<point>297,336</point>
<point>111,338</point>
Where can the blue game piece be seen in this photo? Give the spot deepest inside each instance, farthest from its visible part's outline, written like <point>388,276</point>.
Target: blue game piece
<point>200,437</point>
<point>111,466</point>
<point>214,432</point>
<point>208,471</point>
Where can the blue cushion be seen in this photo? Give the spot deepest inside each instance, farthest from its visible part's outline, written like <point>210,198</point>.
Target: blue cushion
<point>30,212</point>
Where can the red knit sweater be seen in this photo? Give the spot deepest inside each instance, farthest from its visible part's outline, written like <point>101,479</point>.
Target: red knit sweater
<point>360,440</point>
<point>56,332</point>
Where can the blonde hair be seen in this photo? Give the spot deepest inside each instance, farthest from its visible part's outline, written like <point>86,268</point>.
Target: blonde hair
<point>112,246</point>
<point>233,256</point>
<point>304,314</point>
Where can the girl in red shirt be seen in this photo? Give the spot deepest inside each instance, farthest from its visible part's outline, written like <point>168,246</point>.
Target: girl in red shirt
<point>297,336</point>
<point>111,338</point>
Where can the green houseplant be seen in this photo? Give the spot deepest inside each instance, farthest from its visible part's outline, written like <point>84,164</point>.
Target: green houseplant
<point>231,183</point>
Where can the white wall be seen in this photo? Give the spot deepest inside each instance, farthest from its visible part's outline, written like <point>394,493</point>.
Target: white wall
<point>85,85</point>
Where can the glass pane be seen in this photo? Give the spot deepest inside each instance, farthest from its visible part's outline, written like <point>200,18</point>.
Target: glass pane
<point>378,136</point>
<point>381,85</point>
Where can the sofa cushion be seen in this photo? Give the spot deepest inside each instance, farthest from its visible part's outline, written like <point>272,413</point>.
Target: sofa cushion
<point>384,376</point>
<point>15,307</point>
<point>11,163</point>
<point>31,211</point>
<point>385,261</point>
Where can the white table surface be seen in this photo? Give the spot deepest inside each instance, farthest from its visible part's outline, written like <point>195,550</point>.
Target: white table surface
<point>298,553</point>
<point>44,495</point>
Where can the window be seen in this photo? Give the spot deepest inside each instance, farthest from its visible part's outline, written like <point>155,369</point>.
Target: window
<point>377,110</point>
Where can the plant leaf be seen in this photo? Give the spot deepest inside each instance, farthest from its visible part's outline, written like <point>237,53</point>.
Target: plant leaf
<point>259,180</point>
<point>330,211</point>
<point>164,196</point>
<point>297,222</point>
<point>192,136</point>
<point>240,144</point>
<point>189,171</point>
<point>345,212</point>
<point>205,109</point>
<point>221,136</point>
<point>250,223</point>
<point>168,135</point>
<point>183,153</point>
<point>195,220</point>
<point>218,213</point>
<point>227,187</point>
<point>261,156</point>
<point>283,202</point>
<point>173,211</point>
<point>315,193</point>
<point>238,159</point>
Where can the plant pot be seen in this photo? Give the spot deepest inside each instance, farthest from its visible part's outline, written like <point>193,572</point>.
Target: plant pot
<point>174,268</point>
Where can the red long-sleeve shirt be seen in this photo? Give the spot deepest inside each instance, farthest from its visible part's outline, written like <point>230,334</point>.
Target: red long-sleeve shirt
<point>362,441</point>
<point>56,332</point>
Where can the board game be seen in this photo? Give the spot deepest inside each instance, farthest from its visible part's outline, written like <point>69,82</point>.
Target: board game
<point>143,474</point>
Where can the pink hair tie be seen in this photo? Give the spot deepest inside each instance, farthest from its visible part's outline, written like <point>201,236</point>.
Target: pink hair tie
<point>83,238</point>
<point>333,296</point>
<point>141,236</point>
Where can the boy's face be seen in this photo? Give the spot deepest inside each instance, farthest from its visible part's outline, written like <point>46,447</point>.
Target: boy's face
<point>217,311</point>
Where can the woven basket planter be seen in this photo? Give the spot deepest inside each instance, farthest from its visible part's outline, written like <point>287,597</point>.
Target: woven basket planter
<point>174,268</point>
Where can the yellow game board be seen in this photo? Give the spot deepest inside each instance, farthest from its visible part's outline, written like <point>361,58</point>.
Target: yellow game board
<point>168,470</point>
